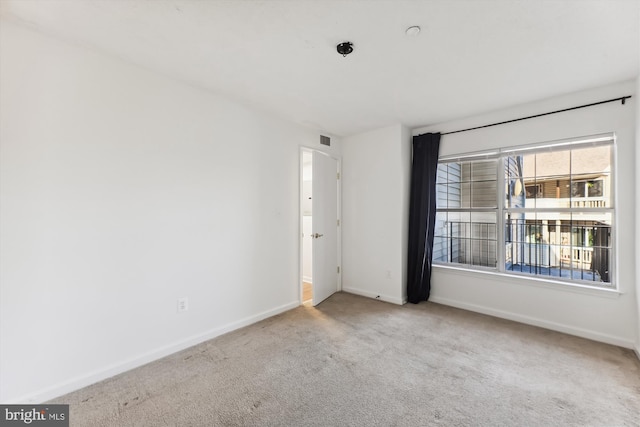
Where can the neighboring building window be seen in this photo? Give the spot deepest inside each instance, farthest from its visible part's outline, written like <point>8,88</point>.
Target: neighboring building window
<point>590,188</point>
<point>534,191</point>
<point>554,217</point>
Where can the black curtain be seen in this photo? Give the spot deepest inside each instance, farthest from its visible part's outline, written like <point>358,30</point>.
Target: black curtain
<point>422,215</point>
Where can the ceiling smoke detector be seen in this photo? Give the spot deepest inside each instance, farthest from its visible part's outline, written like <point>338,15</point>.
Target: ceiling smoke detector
<point>345,48</point>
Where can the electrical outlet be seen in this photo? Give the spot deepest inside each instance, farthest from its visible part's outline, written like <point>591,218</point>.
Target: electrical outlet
<point>183,304</point>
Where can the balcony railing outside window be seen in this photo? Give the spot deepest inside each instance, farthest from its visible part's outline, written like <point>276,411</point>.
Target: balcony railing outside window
<point>576,252</point>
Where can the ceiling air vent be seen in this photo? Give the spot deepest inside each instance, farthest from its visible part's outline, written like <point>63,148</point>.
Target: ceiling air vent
<point>325,140</point>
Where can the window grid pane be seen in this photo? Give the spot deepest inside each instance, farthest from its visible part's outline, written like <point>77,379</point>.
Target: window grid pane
<point>465,236</point>
<point>562,248</point>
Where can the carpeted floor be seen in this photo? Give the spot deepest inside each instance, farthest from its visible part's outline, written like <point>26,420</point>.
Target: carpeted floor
<point>353,361</point>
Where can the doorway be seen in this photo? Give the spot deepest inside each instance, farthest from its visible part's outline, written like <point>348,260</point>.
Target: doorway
<point>320,223</point>
<point>307,218</point>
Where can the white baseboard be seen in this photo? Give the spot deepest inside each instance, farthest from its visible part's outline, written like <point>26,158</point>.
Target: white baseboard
<point>636,349</point>
<point>134,362</point>
<point>307,279</point>
<point>372,295</point>
<point>554,326</point>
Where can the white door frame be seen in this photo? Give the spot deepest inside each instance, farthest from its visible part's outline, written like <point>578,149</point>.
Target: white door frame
<point>304,149</point>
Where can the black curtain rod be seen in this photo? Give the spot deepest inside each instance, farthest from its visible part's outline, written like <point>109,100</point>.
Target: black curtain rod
<point>623,99</point>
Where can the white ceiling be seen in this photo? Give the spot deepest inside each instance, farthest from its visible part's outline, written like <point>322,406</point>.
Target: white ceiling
<point>472,56</point>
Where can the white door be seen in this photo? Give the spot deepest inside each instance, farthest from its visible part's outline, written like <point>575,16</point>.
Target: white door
<point>324,195</point>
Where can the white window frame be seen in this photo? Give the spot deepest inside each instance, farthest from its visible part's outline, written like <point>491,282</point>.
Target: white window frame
<point>605,139</point>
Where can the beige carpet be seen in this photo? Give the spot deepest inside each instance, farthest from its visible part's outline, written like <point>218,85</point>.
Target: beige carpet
<point>353,361</point>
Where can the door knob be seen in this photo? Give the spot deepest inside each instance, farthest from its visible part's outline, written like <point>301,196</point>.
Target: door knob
<point>317,235</point>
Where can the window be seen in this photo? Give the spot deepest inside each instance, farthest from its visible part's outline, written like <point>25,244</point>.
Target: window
<point>590,188</point>
<point>465,231</point>
<point>534,191</point>
<point>544,210</point>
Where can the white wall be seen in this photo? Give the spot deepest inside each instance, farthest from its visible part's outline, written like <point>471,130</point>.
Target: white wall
<point>600,315</point>
<point>375,201</point>
<point>637,224</point>
<point>406,150</point>
<point>122,190</point>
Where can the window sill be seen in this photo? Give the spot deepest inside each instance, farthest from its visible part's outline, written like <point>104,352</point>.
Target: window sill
<point>556,285</point>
